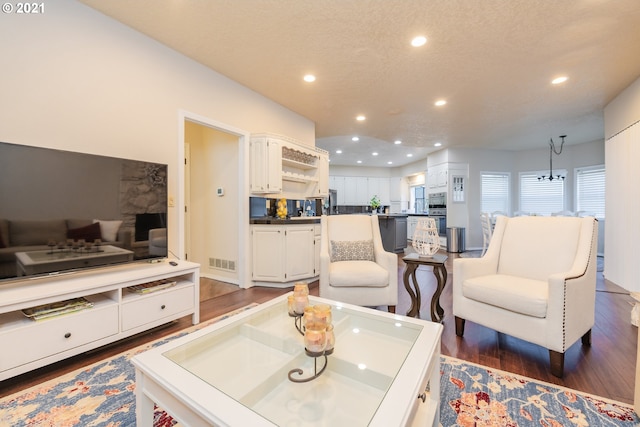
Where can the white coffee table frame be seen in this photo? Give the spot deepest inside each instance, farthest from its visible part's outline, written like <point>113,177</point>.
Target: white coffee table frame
<point>194,402</point>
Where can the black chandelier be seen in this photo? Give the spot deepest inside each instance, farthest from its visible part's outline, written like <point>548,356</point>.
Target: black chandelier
<point>552,150</point>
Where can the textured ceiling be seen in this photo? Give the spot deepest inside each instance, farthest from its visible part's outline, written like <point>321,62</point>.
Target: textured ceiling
<point>492,60</point>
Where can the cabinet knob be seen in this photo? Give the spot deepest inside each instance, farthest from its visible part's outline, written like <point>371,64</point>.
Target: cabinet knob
<point>422,397</point>
<point>163,306</point>
<point>67,335</point>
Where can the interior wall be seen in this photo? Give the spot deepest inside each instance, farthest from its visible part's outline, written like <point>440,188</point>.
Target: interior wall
<point>76,79</point>
<point>623,194</point>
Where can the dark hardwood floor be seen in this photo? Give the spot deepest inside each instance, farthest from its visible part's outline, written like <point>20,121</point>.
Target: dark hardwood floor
<point>606,368</point>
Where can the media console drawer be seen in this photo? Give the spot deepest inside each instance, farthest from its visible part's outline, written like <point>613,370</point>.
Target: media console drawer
<point>46,337</point>
<point>153,307</point>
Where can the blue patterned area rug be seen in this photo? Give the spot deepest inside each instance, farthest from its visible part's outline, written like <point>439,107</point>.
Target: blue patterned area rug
<point>103,395</point>
<point>474,395</point>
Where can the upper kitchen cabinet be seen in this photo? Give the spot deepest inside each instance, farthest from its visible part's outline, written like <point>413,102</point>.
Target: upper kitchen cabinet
<point>282,167</point>
<point>266,172</point>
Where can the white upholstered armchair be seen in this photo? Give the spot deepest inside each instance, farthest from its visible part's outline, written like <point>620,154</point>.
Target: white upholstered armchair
<point>354,267</point>
<point>537,282</point>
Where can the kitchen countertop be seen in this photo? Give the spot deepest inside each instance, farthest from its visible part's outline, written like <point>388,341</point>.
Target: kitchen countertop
<point>294,220</point>
<point>389,216</point>
<point>418,214</point>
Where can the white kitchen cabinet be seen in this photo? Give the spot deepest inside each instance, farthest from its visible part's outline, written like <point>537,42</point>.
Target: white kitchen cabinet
<point>373,188</point>
<point>266,165</point>
<point>323,176</point>
<point>268,247</point>
<point>284,168</point>
<point>117,311</point>
<point>350,191</point>
<point>283,253</point>
<point>384,186</point>
<point>362,191</point>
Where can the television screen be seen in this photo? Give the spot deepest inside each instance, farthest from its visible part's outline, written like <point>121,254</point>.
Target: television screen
<point>66,211</point>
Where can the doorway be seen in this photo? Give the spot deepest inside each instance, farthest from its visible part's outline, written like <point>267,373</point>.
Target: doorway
<point>212,203</point>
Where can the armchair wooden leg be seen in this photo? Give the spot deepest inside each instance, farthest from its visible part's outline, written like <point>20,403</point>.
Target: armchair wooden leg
<point>557,363</point>
<point>459,326</point>
<point>586,338</point>
<point>391,308</point>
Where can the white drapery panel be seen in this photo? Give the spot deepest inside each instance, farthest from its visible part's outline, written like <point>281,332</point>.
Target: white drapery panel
<point>622,208</point>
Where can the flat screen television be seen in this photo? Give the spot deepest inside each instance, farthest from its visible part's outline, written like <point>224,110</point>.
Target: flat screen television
<point>63,211</point>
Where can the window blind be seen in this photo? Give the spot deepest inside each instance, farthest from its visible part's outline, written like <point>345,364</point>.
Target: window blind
<point>590,190</point>
<point>494,189</point>
<point>542,197</point>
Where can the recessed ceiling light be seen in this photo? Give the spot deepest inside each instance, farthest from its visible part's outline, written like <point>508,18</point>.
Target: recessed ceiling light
<point>361,118</point>
<point>359,161</point>
<point>437,144</point>
<point>440,102</point>
<point>374,153</point>
<point>418,41</point>
<point>409,155</point>
<point>397,141</point>
<point>309,78</point>
<point>338,151</point>
<point>389,163</point>
<point>559,80</point>
<point>355,139</point>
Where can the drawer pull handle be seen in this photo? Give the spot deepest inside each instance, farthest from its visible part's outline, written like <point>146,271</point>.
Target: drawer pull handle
<point>163,306</point>
<point>67,335</point>
<point>423,397</point>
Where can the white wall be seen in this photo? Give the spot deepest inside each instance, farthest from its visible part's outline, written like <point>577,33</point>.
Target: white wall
<point>214,156</point>
<point>75,79</point>
<point>623,193</point>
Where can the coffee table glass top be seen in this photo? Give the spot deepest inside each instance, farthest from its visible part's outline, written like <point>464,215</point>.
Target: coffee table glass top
<point>249,361</point>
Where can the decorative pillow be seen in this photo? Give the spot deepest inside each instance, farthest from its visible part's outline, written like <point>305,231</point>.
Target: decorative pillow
<point>354,250</point>
<point>109,229</point>
<point>89,233</point>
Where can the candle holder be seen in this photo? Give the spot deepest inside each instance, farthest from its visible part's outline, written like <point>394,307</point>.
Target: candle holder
<point>319,339</point>
<point>315,343</point>
<point>316,373</point>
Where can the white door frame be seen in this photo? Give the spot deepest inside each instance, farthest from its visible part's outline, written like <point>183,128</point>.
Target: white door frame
<point>244,268</point>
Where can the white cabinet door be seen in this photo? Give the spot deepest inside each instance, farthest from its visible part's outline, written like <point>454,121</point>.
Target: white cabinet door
<point>268,253</point>
<point>300,252</point>
<point>266,166</point>
<point>274,170</point>
<point>384,191</point>
<point>338,185</point>
<point>373,188</point>
<point>323,176</point>
<point>350,190</point>
<point>362,191</point>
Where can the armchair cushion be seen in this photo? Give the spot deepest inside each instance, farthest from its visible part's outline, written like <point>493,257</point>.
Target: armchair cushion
<point>517,294</point>
<point>358,273</point>
<point>357,250</point>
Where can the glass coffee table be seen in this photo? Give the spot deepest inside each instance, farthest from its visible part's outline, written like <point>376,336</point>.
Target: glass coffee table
<point>385,370</point>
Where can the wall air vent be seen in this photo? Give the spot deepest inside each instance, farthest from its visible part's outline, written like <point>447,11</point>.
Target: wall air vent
<point>222,264</point>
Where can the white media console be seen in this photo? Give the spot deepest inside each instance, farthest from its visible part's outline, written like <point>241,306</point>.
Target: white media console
<point>116,313</point>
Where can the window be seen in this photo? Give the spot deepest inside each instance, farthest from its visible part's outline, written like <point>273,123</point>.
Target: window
<point>590,190</point>
<point>494,190</point>
<point>417,199</point>
<point>541,197</point>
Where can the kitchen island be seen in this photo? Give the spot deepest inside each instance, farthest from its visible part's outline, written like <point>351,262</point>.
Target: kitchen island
<point>393,229</point>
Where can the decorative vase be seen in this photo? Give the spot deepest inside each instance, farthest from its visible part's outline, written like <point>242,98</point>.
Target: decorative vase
<point>426,240</point>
